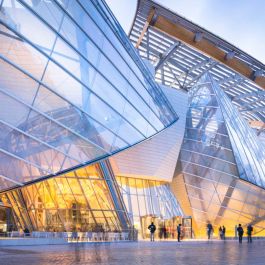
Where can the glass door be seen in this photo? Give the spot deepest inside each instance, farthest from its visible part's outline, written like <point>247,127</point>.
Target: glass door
<point>187,227</point>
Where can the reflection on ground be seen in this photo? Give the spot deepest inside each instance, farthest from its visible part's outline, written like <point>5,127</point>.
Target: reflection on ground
<point>144,253</point>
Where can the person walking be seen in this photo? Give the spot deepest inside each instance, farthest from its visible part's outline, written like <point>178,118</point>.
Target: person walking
<point>179,232</point>
<point>152,229</point>
<point>220,232</point>
<point>249,232</point>
<point>240,232</point>
<point>209,230</point>
<point>224,230</point>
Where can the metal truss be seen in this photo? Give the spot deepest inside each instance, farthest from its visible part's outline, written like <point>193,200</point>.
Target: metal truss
<point>179,64</point>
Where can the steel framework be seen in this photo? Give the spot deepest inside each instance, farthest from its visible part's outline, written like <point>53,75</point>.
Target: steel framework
<point>182,52</point>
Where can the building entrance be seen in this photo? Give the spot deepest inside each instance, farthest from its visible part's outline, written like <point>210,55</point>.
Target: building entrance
<point>187,227</point>
<point>145,222</point>
<point>166,228</point>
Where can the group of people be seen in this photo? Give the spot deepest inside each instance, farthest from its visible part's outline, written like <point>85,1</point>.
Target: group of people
<point>222,231</point>
<point>152,229</point>
<point>239,231</point>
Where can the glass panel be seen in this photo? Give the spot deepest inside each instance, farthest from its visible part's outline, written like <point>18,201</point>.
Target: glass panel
<point>14,14</point>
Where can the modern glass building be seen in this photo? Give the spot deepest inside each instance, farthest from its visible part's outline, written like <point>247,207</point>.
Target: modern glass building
<point>83,93</point>
<point>220,156</point>
<point>101,131</point>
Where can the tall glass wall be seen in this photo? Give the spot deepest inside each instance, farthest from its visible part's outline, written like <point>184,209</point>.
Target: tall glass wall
<point>77,200</point>
<point>72,88</point>
<point>248,149</point>
<point>216,143</point>
<point>147,201</point>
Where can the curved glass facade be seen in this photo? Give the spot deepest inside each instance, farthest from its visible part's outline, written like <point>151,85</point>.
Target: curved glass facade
<point>72,89</point>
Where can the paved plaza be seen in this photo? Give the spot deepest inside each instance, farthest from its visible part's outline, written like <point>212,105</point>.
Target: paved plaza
<point>144,253</point>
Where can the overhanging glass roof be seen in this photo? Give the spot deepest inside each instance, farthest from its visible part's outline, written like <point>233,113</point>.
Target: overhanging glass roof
<point>180,64</point>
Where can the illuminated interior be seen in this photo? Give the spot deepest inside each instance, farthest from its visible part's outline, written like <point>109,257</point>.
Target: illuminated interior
<point>74,92</point>
<point>150,201</point>
<point>79,199</point>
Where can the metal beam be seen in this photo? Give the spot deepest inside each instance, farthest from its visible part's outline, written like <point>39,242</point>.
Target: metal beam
<point>146,25</point>
<point>26,162</point>
<point>49,147</point>
<point>182,34</point>
<point>181,67</point>
<point>199,65</point>
<point>255,109</point>
<point>212,64</point>
<point>189,73</point>
<point>176,78</point>
<point>246,106</point>
<point>11,180</point>
<point>237,82</point>
<point>251,94</point>
<point>233,77</point>
<point>166,55</point>
<point>169,60</point>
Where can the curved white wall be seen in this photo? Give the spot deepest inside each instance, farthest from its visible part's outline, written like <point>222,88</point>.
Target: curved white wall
<point>157,157</point>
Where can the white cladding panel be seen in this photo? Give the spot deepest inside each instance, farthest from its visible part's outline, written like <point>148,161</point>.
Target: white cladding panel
<point>156,158</point>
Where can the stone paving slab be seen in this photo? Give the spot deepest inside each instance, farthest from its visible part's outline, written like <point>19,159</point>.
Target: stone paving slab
<point>138,253</point>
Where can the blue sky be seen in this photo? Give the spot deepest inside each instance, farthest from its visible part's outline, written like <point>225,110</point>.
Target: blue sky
<point>240,22</point>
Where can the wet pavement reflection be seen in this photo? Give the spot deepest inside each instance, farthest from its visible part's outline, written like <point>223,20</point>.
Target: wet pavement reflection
<point>134,253</point>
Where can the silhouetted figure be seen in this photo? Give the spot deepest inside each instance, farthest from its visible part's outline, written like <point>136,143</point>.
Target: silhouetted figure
<point>220,232</point>
<point>224,230</point>
<point>26,232</point>
<point>249,232</point>
<point>209,230</point>
<point>152,229</point>
<point>179,232</point>
<point>165,232</point>
<point>240,232</point>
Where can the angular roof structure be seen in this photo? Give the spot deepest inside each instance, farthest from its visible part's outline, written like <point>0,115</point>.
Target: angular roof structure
<point>182,52</point>
<point>89,142</point>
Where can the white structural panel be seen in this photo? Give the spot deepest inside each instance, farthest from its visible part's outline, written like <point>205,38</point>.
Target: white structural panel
<point>157,157</point>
